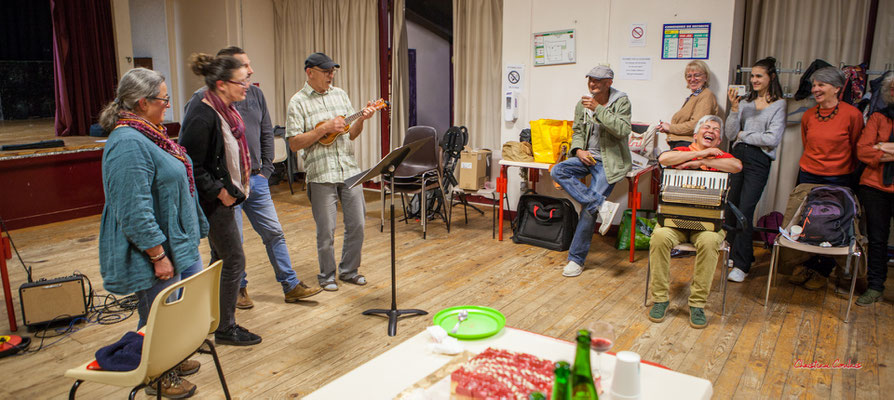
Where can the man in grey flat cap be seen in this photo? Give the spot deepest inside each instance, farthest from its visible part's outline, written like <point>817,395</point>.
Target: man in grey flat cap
<point>316,110</point>
<point>599,149</point>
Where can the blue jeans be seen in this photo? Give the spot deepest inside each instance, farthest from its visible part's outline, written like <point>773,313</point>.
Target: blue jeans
<point>261,214</point>
<point>568,174</point>
<point>146,297</point>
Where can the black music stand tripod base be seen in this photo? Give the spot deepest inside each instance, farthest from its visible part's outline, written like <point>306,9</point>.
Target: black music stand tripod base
<point>386,169</point>
<point>393,315</point>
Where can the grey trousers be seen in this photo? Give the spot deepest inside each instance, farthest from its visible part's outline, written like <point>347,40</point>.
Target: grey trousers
<point>225,239</point>
<point>324,198</point>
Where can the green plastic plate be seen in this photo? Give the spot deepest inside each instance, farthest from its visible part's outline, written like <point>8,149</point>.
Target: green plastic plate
<point>482,322</point>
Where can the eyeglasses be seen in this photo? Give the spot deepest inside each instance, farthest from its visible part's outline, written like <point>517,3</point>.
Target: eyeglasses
<point>243,83</point>
<point>166,100</point>
<point>691,76</point>
<point>325,71</point>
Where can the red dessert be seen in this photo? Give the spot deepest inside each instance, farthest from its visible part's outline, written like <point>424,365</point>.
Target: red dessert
<point>501,374</point>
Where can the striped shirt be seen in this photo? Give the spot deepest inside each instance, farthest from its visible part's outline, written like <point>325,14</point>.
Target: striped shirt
<point>307,108</point>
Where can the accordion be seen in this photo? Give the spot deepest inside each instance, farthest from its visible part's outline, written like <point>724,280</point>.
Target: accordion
<point>693,199</point>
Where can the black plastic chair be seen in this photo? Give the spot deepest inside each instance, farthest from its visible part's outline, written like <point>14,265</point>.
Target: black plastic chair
<point>417,174</point>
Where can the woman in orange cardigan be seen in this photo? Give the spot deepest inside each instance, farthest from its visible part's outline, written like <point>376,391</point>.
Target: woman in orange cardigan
<point>876,148</point>
<point>829,132</point>
<point>699,103</point>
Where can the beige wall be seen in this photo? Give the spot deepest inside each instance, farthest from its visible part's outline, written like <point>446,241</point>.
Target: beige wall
<point>123,43</point>
<point>602,28</point>
<point>257,40</point>
<point>244,23</point>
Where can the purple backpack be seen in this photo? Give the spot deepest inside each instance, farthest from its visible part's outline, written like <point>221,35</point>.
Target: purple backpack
<point>828,215</point>
<point>771,223</point>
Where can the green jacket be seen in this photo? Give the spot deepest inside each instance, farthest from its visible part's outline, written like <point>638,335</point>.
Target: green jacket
<point>614,121</point>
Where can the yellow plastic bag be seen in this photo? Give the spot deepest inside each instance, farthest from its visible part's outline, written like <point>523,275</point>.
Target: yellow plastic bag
<point>547,137</point>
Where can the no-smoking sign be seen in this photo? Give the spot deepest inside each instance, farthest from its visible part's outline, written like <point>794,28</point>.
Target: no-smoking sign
<point>637,35</point>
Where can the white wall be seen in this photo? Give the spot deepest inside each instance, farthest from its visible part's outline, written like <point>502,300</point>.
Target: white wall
<point>432,77</point>
<point>602,28</point>
<point>149,37</point>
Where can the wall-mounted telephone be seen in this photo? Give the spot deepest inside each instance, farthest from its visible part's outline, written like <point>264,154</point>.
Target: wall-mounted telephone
<point>510,106</point>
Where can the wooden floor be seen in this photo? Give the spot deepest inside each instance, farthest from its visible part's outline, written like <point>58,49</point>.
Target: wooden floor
<point>751,352</point>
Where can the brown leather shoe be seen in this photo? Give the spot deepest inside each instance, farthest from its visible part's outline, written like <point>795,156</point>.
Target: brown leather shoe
<point>301,291</point>
<point>187,367</point>
<point>173,387</point>
<point>800,275</point>
<point>243,302</point>
<point>816,282</point>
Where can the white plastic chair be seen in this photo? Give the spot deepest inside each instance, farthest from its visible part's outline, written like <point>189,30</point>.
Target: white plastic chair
<point>851,251</point>
<point>280,154</point>
<point>174,331</point>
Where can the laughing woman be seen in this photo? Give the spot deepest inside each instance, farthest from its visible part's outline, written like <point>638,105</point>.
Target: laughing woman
<point>699,103</point>
<point>829,132</point>
<point>755,129</point>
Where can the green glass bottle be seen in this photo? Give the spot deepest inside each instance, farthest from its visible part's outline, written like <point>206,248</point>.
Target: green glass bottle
<point>536,396</point>
<point>560,385</point>
<point>582,386</point>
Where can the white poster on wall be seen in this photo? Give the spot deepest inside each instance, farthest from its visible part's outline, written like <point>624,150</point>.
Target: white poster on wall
<point>637,35</point>
<point>513,78</point>
<point>636,68</point>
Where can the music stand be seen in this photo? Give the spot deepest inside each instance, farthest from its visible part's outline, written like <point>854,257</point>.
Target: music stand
<point>386,169</point>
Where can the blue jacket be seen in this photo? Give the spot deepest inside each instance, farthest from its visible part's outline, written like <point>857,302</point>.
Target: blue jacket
<point>147,203</point>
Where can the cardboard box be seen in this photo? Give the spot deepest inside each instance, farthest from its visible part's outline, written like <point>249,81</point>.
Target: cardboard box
<point>474,168</point>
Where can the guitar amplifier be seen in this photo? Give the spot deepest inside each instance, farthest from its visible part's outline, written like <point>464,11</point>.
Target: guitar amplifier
<point>59,299</point>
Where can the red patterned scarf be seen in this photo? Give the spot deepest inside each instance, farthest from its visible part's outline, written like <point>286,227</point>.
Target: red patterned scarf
<point>237,127</point>
<point>158,135</point>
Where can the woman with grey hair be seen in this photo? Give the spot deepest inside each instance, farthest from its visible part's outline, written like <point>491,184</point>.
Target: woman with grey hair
<point>829,132</point>
<point>151,221</point>
<point>876,149</point>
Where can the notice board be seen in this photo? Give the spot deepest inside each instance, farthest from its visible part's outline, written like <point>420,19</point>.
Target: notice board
<point>556,47</point>
<point>686,41</point>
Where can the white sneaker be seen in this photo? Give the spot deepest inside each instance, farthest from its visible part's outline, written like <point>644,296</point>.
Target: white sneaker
<point>572,269</point>
<point>736,275</point>
<point>607,212</point>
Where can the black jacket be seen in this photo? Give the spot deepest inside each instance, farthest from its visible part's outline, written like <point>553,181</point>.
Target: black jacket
<point>201,135</point>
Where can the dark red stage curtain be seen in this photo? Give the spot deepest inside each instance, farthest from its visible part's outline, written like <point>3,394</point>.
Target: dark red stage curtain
<point>84,65</point>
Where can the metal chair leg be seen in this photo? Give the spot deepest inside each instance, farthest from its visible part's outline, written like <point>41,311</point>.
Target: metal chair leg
<point>220,374</point>
<point>289,166</point>
<point>648,276</point>
<point>74,389</point>
<point>723,283</point>
<point>773,259</point>
<point>444,200</point>
<point>850,300</point>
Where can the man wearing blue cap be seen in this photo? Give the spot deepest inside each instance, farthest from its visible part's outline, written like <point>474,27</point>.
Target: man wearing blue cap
<point>599,149</point>
<point>317,110</point>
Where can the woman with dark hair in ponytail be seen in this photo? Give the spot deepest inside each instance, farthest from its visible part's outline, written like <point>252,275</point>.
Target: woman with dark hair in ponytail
<point>754,128</point>
<point>213,134</point>
<point>151,221</point>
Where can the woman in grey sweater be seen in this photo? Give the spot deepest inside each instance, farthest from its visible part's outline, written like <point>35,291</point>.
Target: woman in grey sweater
<point>754,127</point>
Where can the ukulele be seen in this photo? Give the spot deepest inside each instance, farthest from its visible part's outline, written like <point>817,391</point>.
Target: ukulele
<point>329,138</point>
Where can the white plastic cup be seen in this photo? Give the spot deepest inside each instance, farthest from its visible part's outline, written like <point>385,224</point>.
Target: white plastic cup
<point>796,230</point>
<point>626,383</point>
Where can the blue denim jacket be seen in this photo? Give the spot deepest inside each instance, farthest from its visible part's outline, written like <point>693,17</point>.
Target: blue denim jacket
<point>147,203</point>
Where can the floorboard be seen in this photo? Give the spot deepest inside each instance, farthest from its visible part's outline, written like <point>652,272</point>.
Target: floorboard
<point>749,352</point>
